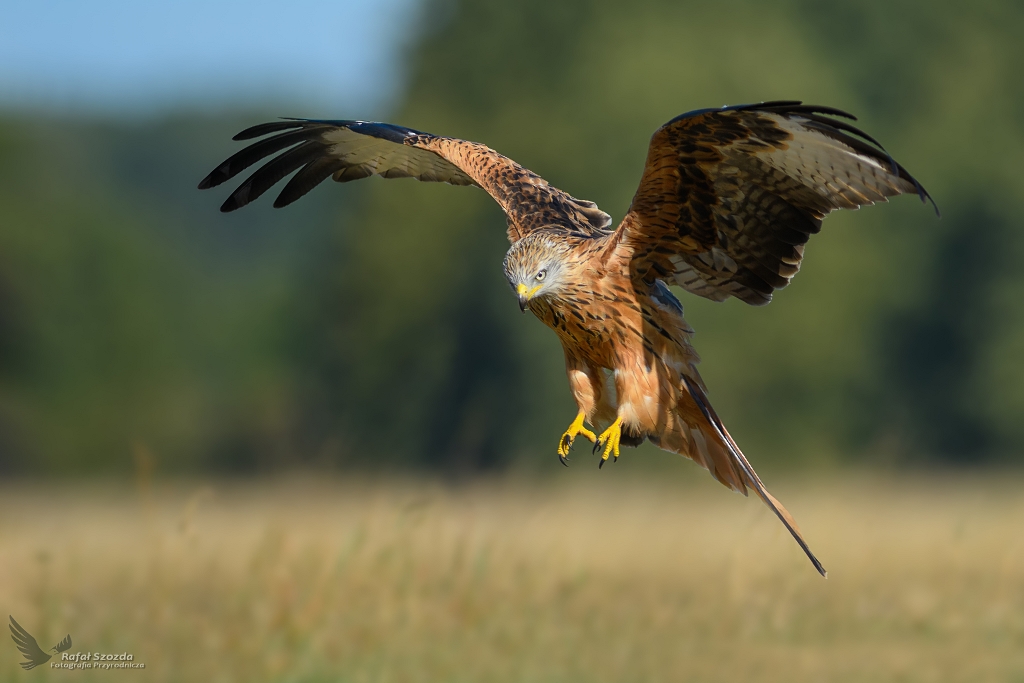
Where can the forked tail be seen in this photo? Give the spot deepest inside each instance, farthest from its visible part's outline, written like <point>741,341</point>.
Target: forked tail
<point>747,473</point>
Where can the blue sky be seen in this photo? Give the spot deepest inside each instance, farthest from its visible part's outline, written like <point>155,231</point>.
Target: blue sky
<point>143,56</point>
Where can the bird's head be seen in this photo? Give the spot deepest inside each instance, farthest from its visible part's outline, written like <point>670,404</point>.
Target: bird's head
<point>535,268</point>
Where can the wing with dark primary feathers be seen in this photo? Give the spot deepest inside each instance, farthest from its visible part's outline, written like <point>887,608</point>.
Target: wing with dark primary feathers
<point>34,655</point>
<point>349,150</point>
<point>729,196</point>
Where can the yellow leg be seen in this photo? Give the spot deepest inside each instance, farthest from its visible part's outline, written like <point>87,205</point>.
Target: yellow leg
<point>609,440</point>
<point>565,443</point>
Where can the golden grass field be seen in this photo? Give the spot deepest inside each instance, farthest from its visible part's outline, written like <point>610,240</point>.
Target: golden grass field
<point>574,577</point>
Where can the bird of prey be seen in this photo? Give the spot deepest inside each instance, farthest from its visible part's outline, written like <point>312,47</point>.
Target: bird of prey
<point>727,200</point>
<point>34,655</point>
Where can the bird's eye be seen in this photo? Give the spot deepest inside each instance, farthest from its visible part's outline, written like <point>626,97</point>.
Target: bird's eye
<point>541,275</point>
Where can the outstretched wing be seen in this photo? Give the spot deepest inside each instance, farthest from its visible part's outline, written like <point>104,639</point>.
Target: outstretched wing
<point>730,196</point>
<point>63,645</point>
<point>349,150</point>
<point>28,646</point>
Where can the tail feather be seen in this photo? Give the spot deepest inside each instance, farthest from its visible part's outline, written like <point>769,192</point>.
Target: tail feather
<point>710,451</point>
<point>741,468</point>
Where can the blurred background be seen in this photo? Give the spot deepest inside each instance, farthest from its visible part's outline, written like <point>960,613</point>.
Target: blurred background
<point>367,333</point>
<point>135,316</point>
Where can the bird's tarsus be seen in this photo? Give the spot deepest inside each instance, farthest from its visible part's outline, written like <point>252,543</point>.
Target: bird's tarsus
<point>568,439</point>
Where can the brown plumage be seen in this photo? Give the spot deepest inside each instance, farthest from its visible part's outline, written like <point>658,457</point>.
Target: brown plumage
<point>727,200</point>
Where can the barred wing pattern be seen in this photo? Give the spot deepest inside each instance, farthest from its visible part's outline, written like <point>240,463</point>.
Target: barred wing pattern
<point>350,150</point>
<point>730,196</point>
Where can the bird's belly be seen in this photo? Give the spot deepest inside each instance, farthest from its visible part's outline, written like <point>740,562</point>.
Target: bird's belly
<point>583,330</point>
<point>593,343</point>
<point>647,394</point>
<point>611,337</point>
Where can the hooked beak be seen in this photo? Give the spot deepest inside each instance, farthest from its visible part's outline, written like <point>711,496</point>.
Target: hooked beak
<point>524,296</point>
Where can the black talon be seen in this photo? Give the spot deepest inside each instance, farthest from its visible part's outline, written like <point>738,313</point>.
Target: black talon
<point>600,463</point>
<point>597,446</point>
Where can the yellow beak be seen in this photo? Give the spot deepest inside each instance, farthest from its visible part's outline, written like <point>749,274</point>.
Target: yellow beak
<point>525,295</point>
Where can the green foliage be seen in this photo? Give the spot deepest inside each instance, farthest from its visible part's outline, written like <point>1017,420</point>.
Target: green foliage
<point>371,324</point>
<point>135,318</point>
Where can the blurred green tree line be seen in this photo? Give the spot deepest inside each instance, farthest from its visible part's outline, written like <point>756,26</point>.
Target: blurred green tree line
<point>370,323</point>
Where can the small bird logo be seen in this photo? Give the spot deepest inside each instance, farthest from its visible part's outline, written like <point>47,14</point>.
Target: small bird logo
<point>34,655</point>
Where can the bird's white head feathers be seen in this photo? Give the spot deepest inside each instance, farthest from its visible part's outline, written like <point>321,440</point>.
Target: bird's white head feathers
<point>535,268</point>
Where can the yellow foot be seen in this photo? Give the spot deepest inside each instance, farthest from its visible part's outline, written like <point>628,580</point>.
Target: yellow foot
<point>609,440</point>
<point>570,435</point>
